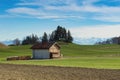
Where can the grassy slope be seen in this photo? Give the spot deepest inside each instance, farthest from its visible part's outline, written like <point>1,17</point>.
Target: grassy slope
<point>15,51</point>
<point>97,56</point>
<point>3,45</point>
<point>73,50</point>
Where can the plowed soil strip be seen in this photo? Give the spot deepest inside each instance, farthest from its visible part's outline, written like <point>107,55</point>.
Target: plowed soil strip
<point>28,72</point>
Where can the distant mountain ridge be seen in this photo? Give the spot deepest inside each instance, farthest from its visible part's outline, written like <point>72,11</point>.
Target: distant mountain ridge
<point>81,41</point>
<point>8,42</point>
<point>88,41</point>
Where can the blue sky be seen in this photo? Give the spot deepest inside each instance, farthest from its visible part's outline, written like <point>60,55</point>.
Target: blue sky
<point>84,18</point>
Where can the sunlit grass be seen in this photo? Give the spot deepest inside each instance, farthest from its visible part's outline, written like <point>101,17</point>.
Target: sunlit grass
<point>94,62</point>
<point>90,56</point>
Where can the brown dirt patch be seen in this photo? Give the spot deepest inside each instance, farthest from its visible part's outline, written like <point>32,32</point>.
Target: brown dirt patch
<point>27,72</point>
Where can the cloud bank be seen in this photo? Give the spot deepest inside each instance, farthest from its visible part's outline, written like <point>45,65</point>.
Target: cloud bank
<point>99,31</point>
<point>62,9</point>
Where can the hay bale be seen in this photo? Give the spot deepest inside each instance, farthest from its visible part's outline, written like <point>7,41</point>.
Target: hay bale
<point>12,58</point>
<point>24,57</point>
<point>18,58</point>
<point>27,57</point>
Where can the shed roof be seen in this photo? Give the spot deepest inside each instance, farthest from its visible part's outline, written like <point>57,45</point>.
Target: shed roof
<point>45,45</point>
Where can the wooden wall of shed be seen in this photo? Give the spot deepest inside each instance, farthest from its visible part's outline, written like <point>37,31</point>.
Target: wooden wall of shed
<point>55,51</point>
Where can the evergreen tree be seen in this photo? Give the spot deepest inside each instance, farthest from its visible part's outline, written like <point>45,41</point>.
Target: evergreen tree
<point>32,39</point>
<point>69,37</point>
<point>51,39</point>
<point>26,40</point>
<point>64,34</point>
<point>45,37</point>
<point>57,34</point>
<point>60,34</point>
<point>114,40</point>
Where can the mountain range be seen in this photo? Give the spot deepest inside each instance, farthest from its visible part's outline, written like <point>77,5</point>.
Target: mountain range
<point>88,41</point>
<point>81,41</point>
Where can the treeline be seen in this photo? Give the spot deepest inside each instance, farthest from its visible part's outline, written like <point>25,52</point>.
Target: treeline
<point>114,40</point>
<point>60,34</point>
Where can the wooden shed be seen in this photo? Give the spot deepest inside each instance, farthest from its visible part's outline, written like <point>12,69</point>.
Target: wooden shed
<point>46,50</point>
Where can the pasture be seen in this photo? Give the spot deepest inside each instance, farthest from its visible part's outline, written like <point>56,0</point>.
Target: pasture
<point>89,56</point>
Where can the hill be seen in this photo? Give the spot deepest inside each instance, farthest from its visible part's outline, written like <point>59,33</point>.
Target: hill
<point>3,45</point>
<point>68,50</point>
<point>74,50</point>
<point>91,56</point>
<point>15,51</point>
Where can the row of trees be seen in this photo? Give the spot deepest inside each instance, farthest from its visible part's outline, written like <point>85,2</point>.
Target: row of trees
<point>114,40</point>
<point>60,34</point>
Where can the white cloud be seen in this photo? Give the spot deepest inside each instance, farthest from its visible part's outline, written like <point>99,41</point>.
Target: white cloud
<point>38,13</point>
<point>106,18</point>
<point>51,9</point>
<point>31,12</point>
<point>24,10</point>
<point>100,31</point>
<point>86,6</point>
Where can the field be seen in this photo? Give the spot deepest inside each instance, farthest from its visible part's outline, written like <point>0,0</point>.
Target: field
<point>80,62</point>
<point>89,56</point>
<point>25,72</point>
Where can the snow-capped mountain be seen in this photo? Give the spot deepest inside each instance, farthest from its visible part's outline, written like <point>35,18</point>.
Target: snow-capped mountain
<point>88,41</point>
<point>7,42</point>
<point>81,41</point>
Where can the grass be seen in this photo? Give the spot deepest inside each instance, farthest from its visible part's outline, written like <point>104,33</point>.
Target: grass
<point>73,50</point>
<point>94,62</point>
<point>15,51</point>
<point>90,56</point>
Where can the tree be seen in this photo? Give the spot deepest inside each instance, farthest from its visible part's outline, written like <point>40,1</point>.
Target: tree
<point>57,34</point>
<point>114,40</point>
<point>69,37</point>
<point>60,34</point>
<point>45,37</point>
<point>16,42</point>
<point>32,39</point>
<point>51,37</point>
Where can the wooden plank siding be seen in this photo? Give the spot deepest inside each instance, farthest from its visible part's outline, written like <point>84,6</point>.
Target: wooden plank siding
<point>55,51</point>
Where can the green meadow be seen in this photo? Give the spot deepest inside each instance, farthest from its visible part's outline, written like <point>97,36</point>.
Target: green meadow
<point>89,56</point>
